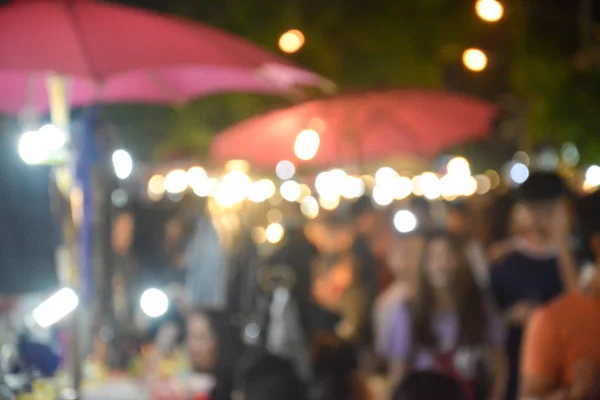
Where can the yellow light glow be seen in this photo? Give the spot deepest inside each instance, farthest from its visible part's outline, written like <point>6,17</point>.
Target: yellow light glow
<point>329,203</point>
<point>233,189</point>
<point>290,191</point>
<point>489,10</point>
<point>291,41</point>
<point>416,184</point>
<point>274,233</point>
<point>205,188</point>
<point>592,176</point>
<point>385,176</point>
<point>468,186</point>
<point>459,166</point>
<point>305,190</point>
<point>448,187</point>
<point>156,187</point>
<point>261,190</point>
<point>430,185</point>
<point>237,165</point>
<point>484,184</point>
<point>354,187</point>
<point>309,207</point>
<point>494,177</point>
<point>330,184</point>
<point>176,181</point>
<point>383,195</point>
<point>307,144</point>
<point>475,60</point>
<point>403,187</point>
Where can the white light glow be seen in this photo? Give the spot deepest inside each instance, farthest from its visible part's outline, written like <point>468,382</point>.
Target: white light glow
<point>459,166</point>
<point>430,185</point>
<point>122,163</point>
<point>52,137</point>
<point>176,181</point>
<point>519,173</point>
<point>31,150</point>
<point>309,207</point>
<point>385,176</point>
<point>383,195</point>
<point>56,307</point>
<point>353,188</point>
<point>274,233</point>
<point>261,190</point>
<point>592,176</point>
<point>290,191</point>
<point>154,303</point>
<point>329,203</point>
<point>405,221</point>
<point>285,170</point>
<point>403,187</point>
<point>307,144</point>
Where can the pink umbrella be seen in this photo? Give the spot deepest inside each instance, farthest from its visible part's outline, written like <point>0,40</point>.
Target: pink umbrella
<point>360,127</point>
<point>113,53</point>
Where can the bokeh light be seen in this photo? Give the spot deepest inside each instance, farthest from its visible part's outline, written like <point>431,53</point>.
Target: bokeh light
<point>475,60</point>
<point>291,41</point>
<point>430,185</point>
<point>405,221</point>
<point>403,187</point>
<point>494,177</point>
<point>385,176</point>
<point>56,307</point>
<point>519,173</point>
<point>122,163</point>
<point>384,195</point>
<point>290,191</point>
<point>570,154</point>
<point>259,235</point>
<point>274,233</point>
<point>309,207</point>
<point>522,157</point>
<point>261,190</point>
<point>176,181</point>
<point>52,137</point>
<point>329,203</point>
<point>354,187</point>
<point>459,166</point>
<point>156,187</point>
<point>489,10</point>
<point>484,184</point>
<point>285,170</point>
<point>154,303</point>
<point>307,144</point>
<point>592,176</point>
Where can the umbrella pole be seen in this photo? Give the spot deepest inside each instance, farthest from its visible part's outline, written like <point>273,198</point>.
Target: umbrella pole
<point>59,113</point>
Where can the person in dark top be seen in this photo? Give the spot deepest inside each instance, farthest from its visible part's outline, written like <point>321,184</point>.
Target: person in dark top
<point>365,218</point>
<point>268,377</point>
<point>539,267</point>
<point>428,385</point>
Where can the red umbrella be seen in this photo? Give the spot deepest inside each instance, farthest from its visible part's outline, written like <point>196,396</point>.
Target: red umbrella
<point>113,53</point>
<point>360,127</point>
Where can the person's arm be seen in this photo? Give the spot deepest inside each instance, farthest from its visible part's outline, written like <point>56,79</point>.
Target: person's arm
<point>541,361</point>
<point>500,374</point>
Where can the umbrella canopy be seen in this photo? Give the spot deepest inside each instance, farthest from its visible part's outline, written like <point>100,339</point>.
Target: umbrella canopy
<point>113,53</point>
<point>360,127</point>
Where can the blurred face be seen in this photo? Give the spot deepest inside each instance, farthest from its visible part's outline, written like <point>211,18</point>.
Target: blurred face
<point>541,217</point>
<point>201,343</point>
<point>457,222</point>
<point>404,254</point>
<point>340,239</point>
<point>441,263</point>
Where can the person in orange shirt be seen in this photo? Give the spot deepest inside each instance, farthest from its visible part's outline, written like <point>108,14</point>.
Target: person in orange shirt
<point>561,348</point>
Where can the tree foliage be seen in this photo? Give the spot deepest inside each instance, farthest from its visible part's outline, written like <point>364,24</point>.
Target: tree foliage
<point>410,43</point>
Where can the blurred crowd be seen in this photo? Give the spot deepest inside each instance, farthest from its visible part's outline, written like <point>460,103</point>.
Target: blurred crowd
<point>495,300</point>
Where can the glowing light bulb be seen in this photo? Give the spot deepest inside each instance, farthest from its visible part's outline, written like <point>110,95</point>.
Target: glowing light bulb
<point>475,60</point>
<point>309,207</point>
<point>405,221</point>
<point>291,41</point>
<point>261,190</point>
<point>56,307</point>
<point>122,163</point>
<point>285,170</point>
<point>290,191</point>
<point>383,195</point>
<point>307,144</point>
<point>519,173</point>
<point>403,187</point>
<point>154,303</point>
<point>489,10</point>
<point>176,181</point>
<point>274,233</point>
<point>592,176</point>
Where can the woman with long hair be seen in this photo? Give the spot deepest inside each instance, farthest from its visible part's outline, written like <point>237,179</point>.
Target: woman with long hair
<point>213,348</point>
<point>448,326</point>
